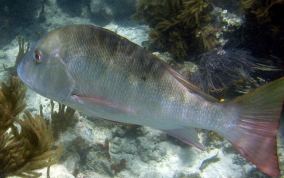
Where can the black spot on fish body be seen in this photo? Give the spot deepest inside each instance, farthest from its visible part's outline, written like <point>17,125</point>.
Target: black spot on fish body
<point>131,50</point>
<point>144,78</point>
<point>146,62</point>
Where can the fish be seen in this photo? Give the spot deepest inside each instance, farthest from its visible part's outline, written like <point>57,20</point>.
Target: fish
<point>102,74</point>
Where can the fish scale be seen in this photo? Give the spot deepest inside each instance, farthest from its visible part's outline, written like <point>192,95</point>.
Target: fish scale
<point>103,74</point>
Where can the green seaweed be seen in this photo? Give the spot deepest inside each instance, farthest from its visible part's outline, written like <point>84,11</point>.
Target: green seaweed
<point>25,140</point>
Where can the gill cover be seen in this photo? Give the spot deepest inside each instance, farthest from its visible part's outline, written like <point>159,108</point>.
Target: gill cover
<point>43,69</point>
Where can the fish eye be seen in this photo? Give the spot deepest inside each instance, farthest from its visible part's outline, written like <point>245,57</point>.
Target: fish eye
<point>37,56</point>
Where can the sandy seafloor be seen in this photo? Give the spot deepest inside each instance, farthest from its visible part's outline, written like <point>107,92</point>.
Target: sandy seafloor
<point>148,153</point>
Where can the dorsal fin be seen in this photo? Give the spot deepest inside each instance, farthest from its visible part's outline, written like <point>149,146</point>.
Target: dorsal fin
<point>191,88</point>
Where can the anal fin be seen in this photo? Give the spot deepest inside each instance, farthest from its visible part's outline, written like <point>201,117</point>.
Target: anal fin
<point>187,135</point>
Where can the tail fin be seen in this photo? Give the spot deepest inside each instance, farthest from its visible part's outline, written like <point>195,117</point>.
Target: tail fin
<point>257,126</point>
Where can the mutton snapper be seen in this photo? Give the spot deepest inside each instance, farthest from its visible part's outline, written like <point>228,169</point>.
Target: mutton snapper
<point>103,74</point>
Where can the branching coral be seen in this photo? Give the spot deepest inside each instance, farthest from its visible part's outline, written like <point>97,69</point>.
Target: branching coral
<point>173,23</point>
<point>156,38</point>
<point>149,11</point>
<point>261,8</point>
<point>25,142</point>
<point>218,72</point>
<point>62,119</point>
<point>263,30</point>
<point>192,11</point>
<point>11,103</point>
<point>229,73</point>
<point>207,34</point>
<point>178,45</point>
<point>21,54</point>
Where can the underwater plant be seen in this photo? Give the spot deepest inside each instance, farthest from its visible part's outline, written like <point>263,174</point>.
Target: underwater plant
<point>11,103</point>
<point>207,34</point>
<point>263,29</point>
<point>220,71</point>
<point>174,25</point>
<point>149,11</point>
<point>178,45</point>
<point>22,51</point>
<point>25,140</point>
<point>62,119</point>
<point>193,12</point>
<point>261,9</point>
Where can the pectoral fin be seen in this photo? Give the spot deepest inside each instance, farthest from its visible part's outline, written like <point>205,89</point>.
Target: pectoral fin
<point>103,105</point>
<point>187,135</point>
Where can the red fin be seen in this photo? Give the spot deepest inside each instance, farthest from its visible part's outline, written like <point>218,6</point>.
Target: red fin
<point>254,134</point>
<point>103,105</point>
<point>187,135</point>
